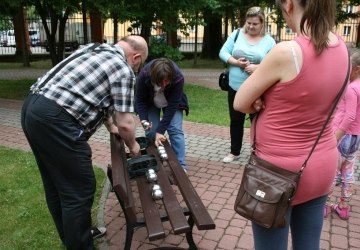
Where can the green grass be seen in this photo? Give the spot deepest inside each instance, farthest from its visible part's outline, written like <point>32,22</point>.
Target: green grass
<point>206,105</point>
<point>201,64</point>
<point>25,222</point>
<point>15,89</point>
<point>186,64</point>
<point>39,64</point>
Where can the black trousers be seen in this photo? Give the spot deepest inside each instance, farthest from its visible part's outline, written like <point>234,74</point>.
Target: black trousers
<point>63,156</point>
<point>237,120</point>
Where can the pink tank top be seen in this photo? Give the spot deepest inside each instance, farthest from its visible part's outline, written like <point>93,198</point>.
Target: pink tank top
<point>294,115</point>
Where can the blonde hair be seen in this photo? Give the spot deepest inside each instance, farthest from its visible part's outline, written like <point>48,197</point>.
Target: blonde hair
<point>256,12</point>
<point>319,19</point>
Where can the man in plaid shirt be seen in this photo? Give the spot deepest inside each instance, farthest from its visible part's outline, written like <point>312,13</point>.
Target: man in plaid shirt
<point>94,85</point>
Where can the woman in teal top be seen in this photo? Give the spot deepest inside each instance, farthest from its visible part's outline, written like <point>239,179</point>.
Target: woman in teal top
<point>243,55</point>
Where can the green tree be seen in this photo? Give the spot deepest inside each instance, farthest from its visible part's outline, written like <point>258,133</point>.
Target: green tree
<point>54,15</point>
<point>13,10</point>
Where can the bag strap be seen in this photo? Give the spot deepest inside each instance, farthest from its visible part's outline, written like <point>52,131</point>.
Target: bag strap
<point>337,99</point>
<point>237,34</point>
<point>235,38</point>
<point>66,61</point>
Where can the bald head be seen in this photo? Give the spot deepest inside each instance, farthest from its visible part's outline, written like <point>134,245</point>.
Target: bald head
<point>135,43</point>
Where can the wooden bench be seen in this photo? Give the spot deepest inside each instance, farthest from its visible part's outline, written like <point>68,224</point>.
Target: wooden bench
<point>152,216</point>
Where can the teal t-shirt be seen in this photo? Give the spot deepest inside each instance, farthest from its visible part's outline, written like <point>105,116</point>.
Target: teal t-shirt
<point>255,53</point>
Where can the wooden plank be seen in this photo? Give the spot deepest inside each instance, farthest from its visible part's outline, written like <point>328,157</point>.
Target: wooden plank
<point>201,216</point>
<point>120,176</point>
<point>173,208</point>
<point>150,210</point>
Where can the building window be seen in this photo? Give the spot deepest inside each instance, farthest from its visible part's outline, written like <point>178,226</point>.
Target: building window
<point>268,29</point>
<point>347,31</point>
<point>349,9</point>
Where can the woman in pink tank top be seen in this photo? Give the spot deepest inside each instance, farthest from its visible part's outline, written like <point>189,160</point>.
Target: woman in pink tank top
<point>293,90</point>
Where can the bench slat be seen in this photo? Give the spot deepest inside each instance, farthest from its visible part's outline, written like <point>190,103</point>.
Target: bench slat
<point>173,208</point>
<point>150,210</point>
<point>120,176</point>
<point>200,214</point>
<point>175,213</point>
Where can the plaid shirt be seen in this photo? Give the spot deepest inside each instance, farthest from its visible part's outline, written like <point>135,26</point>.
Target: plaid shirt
<point>90,84</point>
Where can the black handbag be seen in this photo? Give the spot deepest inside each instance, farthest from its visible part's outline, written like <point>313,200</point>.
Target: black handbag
<point>224,76</point>
<point>266,190</point>
<point>224,80</point>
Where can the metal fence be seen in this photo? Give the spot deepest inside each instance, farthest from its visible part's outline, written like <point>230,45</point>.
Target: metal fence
<point>74,35</point>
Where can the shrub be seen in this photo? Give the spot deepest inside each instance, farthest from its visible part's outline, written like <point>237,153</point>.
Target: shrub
<point>159,48</point>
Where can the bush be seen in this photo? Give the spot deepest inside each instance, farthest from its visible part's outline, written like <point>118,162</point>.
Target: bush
<point>159,49</point>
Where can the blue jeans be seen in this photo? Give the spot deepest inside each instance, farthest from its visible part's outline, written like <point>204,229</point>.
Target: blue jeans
<point>174,130</point>
<point>306,221</point>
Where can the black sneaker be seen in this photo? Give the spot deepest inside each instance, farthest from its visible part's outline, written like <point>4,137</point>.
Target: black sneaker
<point>98,232</point>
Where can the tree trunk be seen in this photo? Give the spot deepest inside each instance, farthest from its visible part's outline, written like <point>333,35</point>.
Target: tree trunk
<point>22,39</point>
<point>146,31</point>
<point>357,36</point>
<point>96,27</point>
<point>196,39</point>
<point>116,29</point>
<point>172,38</point>
<point>212,40</point>
<point>85,30</point>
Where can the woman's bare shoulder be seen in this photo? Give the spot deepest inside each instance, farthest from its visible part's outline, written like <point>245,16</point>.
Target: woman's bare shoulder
<point>280,53</point>
<point>280,62</point>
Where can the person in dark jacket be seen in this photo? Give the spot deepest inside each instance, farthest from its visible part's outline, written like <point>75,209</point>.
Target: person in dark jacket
<point>159,88</point>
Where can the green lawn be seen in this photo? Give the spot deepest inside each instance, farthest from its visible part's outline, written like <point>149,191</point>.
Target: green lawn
<point>25,222</point>
<point>186,63</point>
<point>15,89</point>
<point>206,105</point>
<point>39,64</point>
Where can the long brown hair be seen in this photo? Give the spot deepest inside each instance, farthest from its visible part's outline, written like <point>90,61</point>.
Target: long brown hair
<point>319,19</point>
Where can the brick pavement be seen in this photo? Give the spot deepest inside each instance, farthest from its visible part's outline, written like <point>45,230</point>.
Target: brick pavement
<point>215,182</point>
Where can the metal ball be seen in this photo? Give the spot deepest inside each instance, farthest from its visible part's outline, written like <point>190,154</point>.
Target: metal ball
<point>157,194</point>
<point>156,187</point>
<point>152,177</point>
<point>150,171</point>
<point>164,156</point>
<point>145,124</point>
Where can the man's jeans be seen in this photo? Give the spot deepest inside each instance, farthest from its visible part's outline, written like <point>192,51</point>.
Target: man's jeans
<point>174,130</point>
